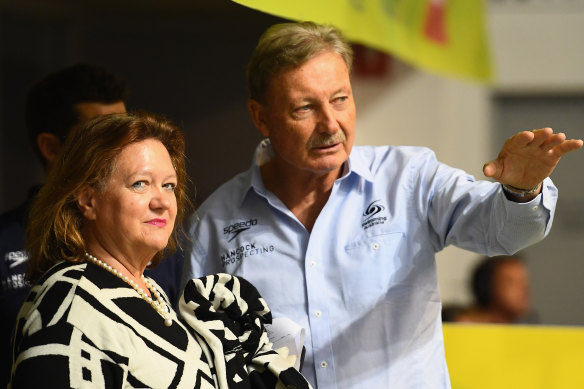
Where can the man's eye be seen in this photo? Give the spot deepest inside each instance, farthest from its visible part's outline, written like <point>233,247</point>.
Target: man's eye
<point>341,99</point>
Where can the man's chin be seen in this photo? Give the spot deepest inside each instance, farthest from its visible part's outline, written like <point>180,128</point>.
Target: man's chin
<point>331,164</point>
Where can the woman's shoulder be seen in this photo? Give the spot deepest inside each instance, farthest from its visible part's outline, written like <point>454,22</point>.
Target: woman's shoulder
<point>53,292</point>
<point>61,274</point>
<point>70,270</point>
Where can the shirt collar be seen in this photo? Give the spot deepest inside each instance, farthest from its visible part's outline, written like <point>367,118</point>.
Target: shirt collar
<point>358,164</point>
<point>264,152</point>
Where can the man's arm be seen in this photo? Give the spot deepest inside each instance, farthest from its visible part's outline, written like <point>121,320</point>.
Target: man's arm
<point>526,159</point>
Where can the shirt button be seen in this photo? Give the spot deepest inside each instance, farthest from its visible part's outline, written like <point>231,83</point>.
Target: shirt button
<point>318,313</point>
<point>535,208</point>
<point>323,364</point>
<point>312,264</point>
<point>375,246</point>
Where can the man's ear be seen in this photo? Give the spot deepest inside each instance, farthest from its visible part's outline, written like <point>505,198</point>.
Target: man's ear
<point>49,146</point>
<point>86,202</point>
<point>258,113</point>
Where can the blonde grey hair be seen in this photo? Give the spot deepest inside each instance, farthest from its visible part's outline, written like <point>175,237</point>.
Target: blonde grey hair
<point>288,45</point>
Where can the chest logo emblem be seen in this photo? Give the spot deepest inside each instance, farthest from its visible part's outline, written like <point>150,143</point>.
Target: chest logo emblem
<point>235,229</point>
<point>371,215</point>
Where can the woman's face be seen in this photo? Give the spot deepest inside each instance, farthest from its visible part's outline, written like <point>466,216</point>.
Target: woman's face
<point>133,216</point>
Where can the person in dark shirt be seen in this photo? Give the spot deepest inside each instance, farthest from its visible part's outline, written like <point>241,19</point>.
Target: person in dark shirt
<point>54,106</point>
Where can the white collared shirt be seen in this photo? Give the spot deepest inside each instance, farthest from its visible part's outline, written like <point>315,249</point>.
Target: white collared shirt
<point>363,283</point>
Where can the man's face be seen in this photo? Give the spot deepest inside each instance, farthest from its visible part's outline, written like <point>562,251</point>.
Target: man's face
<point>309,115</point>
<point>90,109</point>
<point>49,144</point>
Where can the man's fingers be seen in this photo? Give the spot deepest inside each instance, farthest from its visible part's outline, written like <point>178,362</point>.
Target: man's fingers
<point>567,146</point>
<point>540,136</point>
<point>522,139</point>
<point>527,149</point>
<point>553,141</point>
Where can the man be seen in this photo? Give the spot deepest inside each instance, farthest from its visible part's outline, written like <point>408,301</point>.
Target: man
<point>341,239</point>
<point>55,105</point>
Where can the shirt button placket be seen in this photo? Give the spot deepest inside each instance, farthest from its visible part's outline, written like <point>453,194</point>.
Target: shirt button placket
<point>318,318</point>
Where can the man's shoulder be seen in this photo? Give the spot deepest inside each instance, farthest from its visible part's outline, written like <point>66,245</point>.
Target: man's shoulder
<point>229,193</point>
<point>371,152</point>
<point>377,159</point>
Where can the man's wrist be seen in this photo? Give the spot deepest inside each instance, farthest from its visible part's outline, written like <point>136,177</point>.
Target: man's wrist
<point>519,192</point>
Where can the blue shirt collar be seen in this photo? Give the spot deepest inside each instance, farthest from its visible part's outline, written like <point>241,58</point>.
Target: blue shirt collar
<point>264,152</point>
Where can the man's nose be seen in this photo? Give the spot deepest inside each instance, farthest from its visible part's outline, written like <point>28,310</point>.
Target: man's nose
<point>328,120</point>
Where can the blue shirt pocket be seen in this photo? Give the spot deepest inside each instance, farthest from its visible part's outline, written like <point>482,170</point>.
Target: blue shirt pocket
<point>369,265</point>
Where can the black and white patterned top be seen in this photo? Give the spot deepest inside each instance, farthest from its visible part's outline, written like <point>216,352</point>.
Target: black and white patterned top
<point>83,327</point>
<point>228,317</point>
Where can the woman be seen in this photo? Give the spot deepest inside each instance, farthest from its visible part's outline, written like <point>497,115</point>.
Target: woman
<point>108,210</point>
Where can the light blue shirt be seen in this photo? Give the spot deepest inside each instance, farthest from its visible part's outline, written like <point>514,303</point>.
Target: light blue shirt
<point>363,283</point>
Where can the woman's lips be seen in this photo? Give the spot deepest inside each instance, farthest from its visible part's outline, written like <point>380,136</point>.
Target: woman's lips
<point>157,222</point>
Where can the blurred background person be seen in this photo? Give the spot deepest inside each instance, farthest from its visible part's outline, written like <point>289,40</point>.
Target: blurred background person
<point>501,290</point>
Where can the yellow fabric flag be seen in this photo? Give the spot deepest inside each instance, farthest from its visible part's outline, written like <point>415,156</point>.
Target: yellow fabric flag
<point>514,357</point>
<point>442,36</point>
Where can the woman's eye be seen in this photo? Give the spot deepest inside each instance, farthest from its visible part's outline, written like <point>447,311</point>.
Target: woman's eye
<point>170,186</point>
<point>139,185</point>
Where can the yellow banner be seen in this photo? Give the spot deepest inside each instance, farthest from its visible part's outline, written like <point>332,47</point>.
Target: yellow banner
<point>442,36</point>
<point>514,357</point>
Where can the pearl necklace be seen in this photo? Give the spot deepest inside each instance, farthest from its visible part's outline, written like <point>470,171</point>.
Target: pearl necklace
<point>158,303</point>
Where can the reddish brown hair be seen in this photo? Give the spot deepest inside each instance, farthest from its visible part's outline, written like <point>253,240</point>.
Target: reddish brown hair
<point>88,157</point>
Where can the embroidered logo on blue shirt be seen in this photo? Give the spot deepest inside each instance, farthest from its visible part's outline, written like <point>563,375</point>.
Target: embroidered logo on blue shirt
<point>235,229</point>
<point>369,216</point>
<point>249,249</point>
